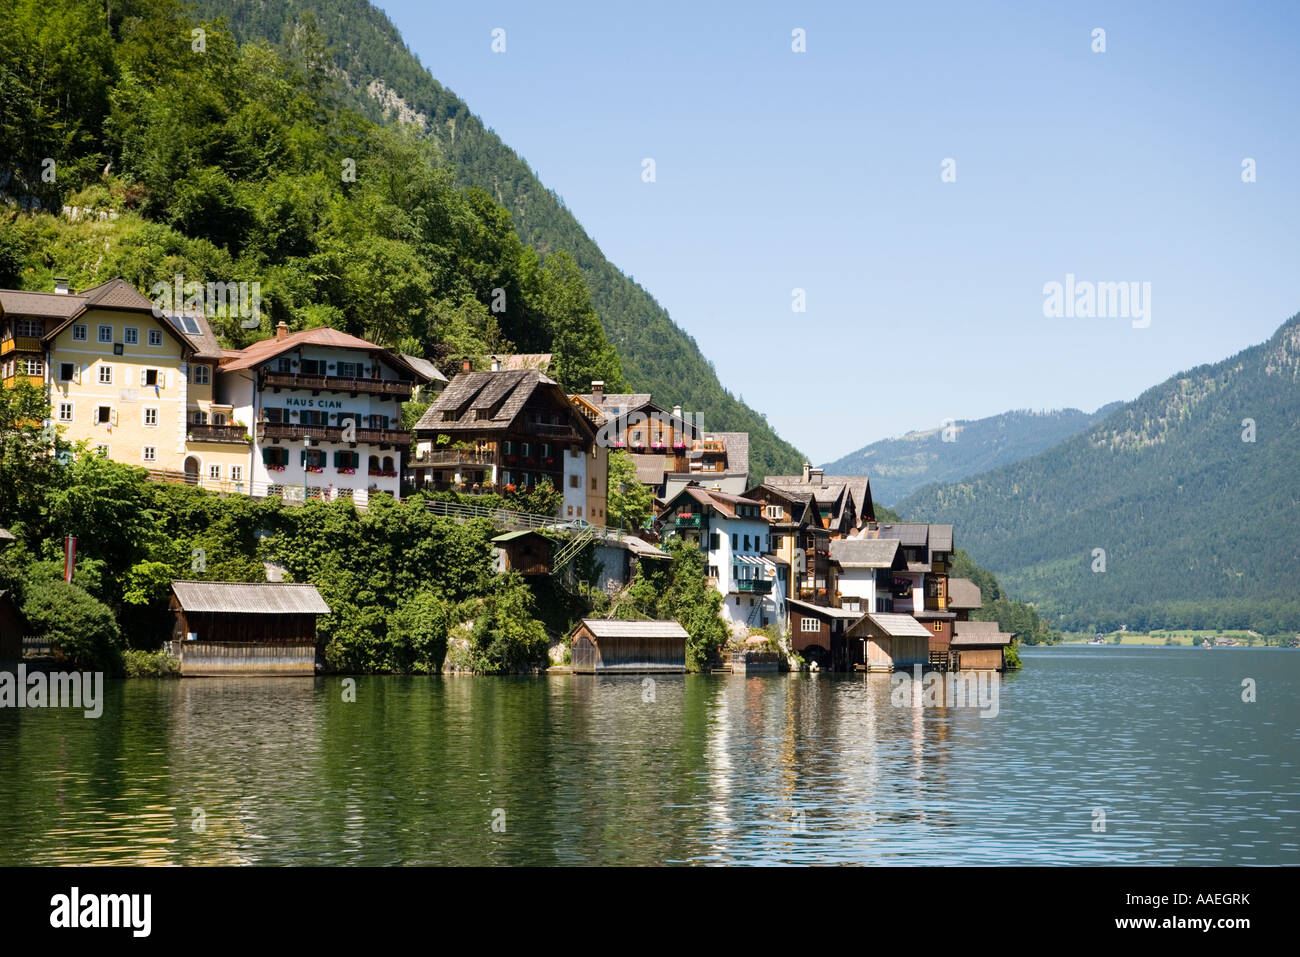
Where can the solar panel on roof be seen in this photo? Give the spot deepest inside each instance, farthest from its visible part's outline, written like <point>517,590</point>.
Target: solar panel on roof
<point>190,325</point>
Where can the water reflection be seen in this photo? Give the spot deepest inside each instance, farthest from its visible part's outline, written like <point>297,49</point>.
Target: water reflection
<point>713,769</point>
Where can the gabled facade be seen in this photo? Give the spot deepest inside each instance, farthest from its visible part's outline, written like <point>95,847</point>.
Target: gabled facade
<point>511,429</point>
<point>801,542</point>
<point>734,537</point>
<point>866,572</point>
<point>920,582</point>
<point>326,411</point>
<point>844,500</point>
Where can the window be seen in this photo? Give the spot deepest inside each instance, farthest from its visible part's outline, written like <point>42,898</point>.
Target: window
<point>202,375</point>
<point>350,370</point>
<point>282,365</point>
<point>155,337</point>
<point>778,541</point>
<point>734,541</point>
<point>525,448</point>
<point>214,472</point>
<point>773,511</point>
<point>67,371</point>
<point>507,447</point>
<point>105,333</point>
<point>151,417</point>
<point>198,417</point>
<point>101,450</point>
<point>150,453</point>
<point>151,377</point>
<point>104,414</point>
<point>105,374</point>
<point>32,366</point>
<point>313,367</point>
<point>31,328</point>
<point>275,416</point>
<point>236,473</point>
<point>746,543</point>
<point>65,411</point>
<point>938,627</point>
<point>505,478</point>
<point>131,336</point>
<point>575,481</point>
<point>579,511</point>
<point>809,624</point>
<point>79,332</point>
<point>570,511</point>
<point>715,542</point>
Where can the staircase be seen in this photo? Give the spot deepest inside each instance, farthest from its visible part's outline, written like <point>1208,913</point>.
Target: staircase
<point>570,549</point>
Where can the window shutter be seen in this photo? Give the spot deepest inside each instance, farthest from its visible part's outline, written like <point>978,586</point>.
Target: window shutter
<point>112,417</point>
<point>266,457</point>
<point>143,376</point>
<point>77,375</point>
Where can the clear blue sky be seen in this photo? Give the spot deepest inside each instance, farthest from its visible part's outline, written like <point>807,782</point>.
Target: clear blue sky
<point>821,170</point>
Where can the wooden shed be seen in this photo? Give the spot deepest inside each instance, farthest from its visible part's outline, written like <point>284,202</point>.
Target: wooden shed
<point>979,646</point>
<point>528,553</point>
<point>820,633</point>
<point>245,628</point>
<point>886,641</point>
<point>604,646</point>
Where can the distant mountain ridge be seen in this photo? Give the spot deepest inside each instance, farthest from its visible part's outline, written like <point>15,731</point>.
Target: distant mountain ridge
<point>387,82</point>
<point>900,466</point>
<point>1179,509</point>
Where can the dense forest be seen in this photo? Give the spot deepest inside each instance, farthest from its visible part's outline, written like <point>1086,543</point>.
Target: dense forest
<point>372,69</point>
<point>959,449</point>
<point>1179,510</point>
<point>176,152</point>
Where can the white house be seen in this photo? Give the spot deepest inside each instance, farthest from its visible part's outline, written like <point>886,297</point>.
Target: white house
<point>866,576</point>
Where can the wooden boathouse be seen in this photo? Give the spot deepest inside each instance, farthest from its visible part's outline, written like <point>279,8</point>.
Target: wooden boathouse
<point>887,641</point>
<point>605,646</point>
<point>245,628</point>
<point>979,646</point>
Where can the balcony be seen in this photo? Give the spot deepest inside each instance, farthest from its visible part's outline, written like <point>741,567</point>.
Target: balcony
<point>330,433</point>
<point>455,457</point>
<point>552,430</point>
<point>754,586</point>
<point>19,344</point>
<point>235,434</point>
<point>688,520</point>
<point>399,389</point>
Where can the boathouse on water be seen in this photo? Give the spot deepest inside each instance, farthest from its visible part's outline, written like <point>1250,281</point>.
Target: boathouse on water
<point>245,628</point>
<point>980,646</point>
<point>604,646</point>
<point>887,641</point>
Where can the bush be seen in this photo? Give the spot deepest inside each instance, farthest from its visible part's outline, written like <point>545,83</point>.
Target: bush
<point>150,664</point>
<point>1013,662</point>
<point>79,626</point>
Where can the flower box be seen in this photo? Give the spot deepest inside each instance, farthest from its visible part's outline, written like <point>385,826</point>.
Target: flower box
<point>275,468</point>
<point>315,468</point>
<point>346,471</point>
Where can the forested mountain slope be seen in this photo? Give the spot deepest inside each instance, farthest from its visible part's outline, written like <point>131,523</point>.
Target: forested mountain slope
<point>900,466</point>
<point>383,79</point>
<point>1190,491</point>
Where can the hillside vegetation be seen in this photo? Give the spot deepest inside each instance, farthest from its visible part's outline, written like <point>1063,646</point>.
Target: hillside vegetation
<point>1179,510</point>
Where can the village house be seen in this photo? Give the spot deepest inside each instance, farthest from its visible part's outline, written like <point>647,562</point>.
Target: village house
<point>800,542</point>
<point>245,628</point>
<point>819,633</point>
<point>326,413</point>
<point>920,581</point>
<point>511,429</point>
<point>734,536</point>
<point>118,376</point>
<point>980,646</point>
<point>866,572</point>
<point>883,641</point>
<point>843,500</point>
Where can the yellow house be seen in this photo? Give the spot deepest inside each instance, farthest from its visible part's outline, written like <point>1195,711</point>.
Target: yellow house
<point>134,384</point>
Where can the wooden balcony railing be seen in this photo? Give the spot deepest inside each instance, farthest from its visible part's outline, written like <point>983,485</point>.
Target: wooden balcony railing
<point>757,586</point>
<point>218,433</point>
<point>19,344</point>
<point>398,388</point>
<point>454,457</point>
<point>330,433</point>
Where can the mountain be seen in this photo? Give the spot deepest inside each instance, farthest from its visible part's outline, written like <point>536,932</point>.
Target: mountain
<point>1189,492</point>
<point>898,467</point>
<point>385,81</point>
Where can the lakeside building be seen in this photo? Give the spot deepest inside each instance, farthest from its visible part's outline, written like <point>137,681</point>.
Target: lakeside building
<point>980,646</point>
<point>843,500</point>
<point>603,646</point>
<point>245,628</point>
<point>866,572</point>
<point>327,413</point>
<point>800,542</point>
<point>881,641</point>
<point>736,540</point>
<point>511,429</point>
<point>920,584</point>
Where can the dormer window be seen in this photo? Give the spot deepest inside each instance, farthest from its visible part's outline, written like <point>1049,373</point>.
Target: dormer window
<point>449,415</point>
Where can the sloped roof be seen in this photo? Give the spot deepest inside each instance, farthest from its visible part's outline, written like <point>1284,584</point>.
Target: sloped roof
<point>909,534</point>
<point>830,490</point>
<point>424,368</point>
<point>898,626</point>
<point>964,593</point>
<point>724,502</point>
<point>618,628</point>
<point>116,294</point>
<point>45,305</point>
<point>940,538</point>
<point>737,444</point>
<point>198,331</point>
<point>968,633</point>
<point>824,610</point>
<point>524,533</point>
<point>864,552</point>
<point>250,598</point>
<point>649,468</point>
<point>470,393</point>
<point>265,349</point>
<point>611,404</point>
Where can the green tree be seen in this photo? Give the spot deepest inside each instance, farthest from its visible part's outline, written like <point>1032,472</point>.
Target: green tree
<point>630,503</point>
<point>81,628</point>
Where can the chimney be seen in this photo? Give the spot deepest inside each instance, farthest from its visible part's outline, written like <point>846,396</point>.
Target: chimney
<point>806,469</point>
<point>496,364</point>
<point>598,391</point>
<point>60,286</point>
<point>677,412</point>
<point>817,475</point>
<point>281,330</point>
<point>464,366</point>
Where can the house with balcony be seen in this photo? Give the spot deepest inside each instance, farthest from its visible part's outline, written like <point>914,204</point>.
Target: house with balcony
<point>800,543</point>
<point>118,374</point>
<point>844,500</point>
<point>325,411</point>
<point>920,579</point>
<point>511,429</point>
<point>734,537</point>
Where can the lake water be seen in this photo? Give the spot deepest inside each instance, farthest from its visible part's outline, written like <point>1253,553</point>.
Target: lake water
<point>715,769</point>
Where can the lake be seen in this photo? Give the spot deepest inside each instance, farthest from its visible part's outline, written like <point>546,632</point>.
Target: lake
<point>1096,756</point>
